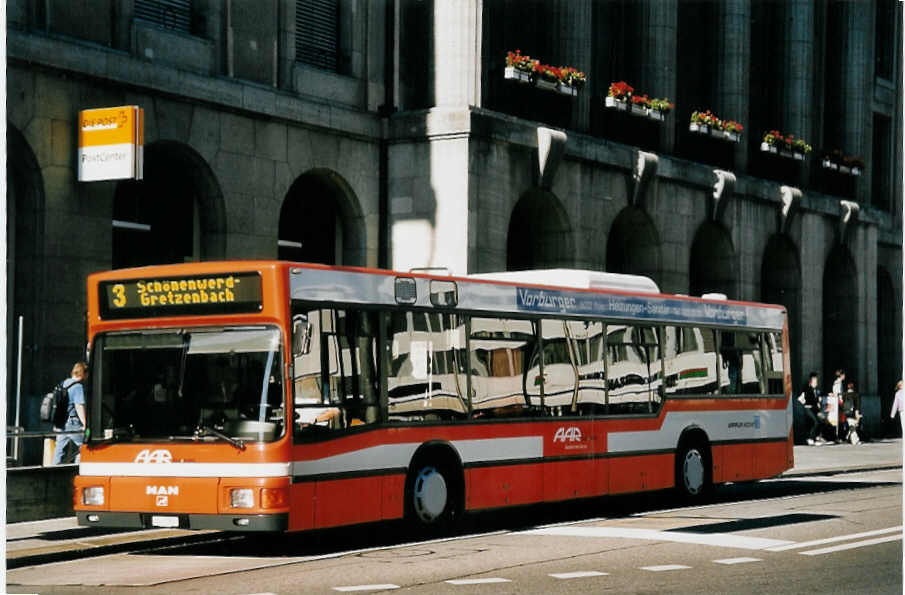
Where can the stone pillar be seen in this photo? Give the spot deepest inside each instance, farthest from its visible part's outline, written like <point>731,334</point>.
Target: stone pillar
<point>456,65</point>
<point>572,23</point>
<point>657,42</point>
<point>856,89</point>
<point>733,55</point>
<point>798,78</point>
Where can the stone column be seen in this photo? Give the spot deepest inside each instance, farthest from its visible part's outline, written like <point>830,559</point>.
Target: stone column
<point>456,65</point>
<point>856,89</point>
<point>798,79</point>
<point>572,23</point>
<point>733,25</point>
<point>657,42</point>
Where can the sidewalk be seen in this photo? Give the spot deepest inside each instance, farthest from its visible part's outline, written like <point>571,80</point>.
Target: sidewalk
<point>839,458</point>
<point>62,539</point>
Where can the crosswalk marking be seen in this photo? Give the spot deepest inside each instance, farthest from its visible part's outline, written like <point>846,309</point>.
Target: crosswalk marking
<point>737,560</point>
<point>714,539</point>
<point>386,587</point>
<point>665,567</point>
<point>838,538</point>
<point>478,581</point>
<point>579,574</point>
<point>850,546</point>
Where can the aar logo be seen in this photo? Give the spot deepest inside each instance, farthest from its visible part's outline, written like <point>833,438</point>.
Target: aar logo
<point>156,456</point>
<point>570,434</point>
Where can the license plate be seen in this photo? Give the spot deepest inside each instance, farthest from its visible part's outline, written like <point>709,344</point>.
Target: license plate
<point>164,521</point>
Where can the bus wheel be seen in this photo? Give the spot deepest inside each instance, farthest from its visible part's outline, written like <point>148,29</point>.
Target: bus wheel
<point>432,497</point>
<point>693,472</point>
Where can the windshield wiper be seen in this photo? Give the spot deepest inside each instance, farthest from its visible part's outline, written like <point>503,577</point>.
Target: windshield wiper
<point>203,430</point>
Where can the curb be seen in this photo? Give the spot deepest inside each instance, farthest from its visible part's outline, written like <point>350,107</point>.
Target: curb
<point>66,555</point>
<point>829,471</point>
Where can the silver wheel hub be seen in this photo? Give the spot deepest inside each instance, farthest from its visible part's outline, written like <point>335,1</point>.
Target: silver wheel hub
<point>430,494</point>
<point>693,471</point>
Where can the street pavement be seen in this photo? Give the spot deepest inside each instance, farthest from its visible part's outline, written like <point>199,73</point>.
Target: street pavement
<point>59,539</point>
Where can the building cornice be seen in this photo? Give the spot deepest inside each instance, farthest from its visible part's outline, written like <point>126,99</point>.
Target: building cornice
<point>113,66</point>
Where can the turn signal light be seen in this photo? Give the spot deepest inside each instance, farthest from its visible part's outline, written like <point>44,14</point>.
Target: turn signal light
<point>274,498</point>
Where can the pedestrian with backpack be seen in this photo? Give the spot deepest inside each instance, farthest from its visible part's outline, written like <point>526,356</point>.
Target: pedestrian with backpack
<point>75,414</point>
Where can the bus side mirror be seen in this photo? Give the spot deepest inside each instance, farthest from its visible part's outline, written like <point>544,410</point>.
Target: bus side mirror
<point>301,336</point>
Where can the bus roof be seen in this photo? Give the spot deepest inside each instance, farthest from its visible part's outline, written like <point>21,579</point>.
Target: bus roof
<point>575,278</point>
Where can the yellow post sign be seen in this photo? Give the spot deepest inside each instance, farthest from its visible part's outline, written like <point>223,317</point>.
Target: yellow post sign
<point>111,143</point>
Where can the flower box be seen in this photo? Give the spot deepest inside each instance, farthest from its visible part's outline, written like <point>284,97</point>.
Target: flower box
<point>856,171</point>
<point>639,110</point>
<point>567,90</point>
<point>845,170</point>
<point>546,85</point>
<point>657,115</point>
<point>515,74</point>
<point>613,103</point>
<point>766,148</point>
<point>699,128</point>
<point>827,164</point>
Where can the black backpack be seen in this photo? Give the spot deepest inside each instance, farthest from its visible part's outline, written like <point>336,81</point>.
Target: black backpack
<point>55,406</point>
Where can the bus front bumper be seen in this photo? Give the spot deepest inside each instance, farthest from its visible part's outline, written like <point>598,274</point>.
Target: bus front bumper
<point>220,522</point>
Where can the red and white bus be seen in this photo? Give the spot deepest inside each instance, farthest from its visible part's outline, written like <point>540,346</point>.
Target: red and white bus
<point>275,396</point>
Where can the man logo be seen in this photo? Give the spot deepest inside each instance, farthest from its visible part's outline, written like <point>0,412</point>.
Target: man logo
<point>162,501</point>
<point>157,456</point>
<point>570,434</point>
<point>162,490</point>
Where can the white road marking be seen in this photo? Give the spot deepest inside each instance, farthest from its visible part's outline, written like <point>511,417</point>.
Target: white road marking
<point>580,574</point>
<point>665,567</point>
<point>850,546</point>
<point>478,581</point>
<point>738,560</point>
<point>714,539</point>
<point>804,544</point>
<point>366,588</point>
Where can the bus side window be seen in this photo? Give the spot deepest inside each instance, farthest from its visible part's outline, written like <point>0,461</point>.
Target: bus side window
<point>773,359</point>
<point>690,354</point>
<point>312,407</point>
<point>740,363</point>
<point>502,352</point>
<point>427,378</point>
<point>633,369</point>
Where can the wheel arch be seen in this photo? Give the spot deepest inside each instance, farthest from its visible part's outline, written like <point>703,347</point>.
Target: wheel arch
<point>441,452</point>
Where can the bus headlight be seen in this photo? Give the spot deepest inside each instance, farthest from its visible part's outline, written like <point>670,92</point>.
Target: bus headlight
<point>93,496</point>
<point>241,498</point>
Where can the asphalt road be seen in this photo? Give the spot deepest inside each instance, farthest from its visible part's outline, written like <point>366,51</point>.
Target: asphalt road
<point>840,533</point>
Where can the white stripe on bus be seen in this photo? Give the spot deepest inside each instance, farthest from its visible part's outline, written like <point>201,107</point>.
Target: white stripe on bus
<point>184,469</point>
<point>398,456</point>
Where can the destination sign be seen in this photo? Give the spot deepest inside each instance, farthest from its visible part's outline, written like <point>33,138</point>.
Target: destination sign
<point>228,293</point>
<point>643,308</point>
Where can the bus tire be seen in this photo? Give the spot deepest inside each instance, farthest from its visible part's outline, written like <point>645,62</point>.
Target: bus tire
<point>694,471</point>
<point>433,495</point>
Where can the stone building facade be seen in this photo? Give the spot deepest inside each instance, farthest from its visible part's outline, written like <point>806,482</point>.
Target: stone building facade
<point>384,134</point>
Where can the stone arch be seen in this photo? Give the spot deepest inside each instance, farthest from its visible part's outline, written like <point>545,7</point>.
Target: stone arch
<point>780,282</point>
<point>321,221</point>
<point>840,309</point>
<point>889,350</point>
<point>633,245</point>
<point>176,213</point>
<point>25,265</point>
<point>713,266</point>
<point>540,234</point>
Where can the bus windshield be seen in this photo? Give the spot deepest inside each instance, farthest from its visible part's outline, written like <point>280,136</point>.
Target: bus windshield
<point>199,384</point>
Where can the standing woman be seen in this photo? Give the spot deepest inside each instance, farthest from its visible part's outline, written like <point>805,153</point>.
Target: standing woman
<point>898,405</point>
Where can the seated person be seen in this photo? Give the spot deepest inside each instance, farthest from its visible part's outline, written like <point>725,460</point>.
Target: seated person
<point>314,415</point>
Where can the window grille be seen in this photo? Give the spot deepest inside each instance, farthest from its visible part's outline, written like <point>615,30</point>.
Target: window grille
<point>316,32</point>
<point>169,14</point>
